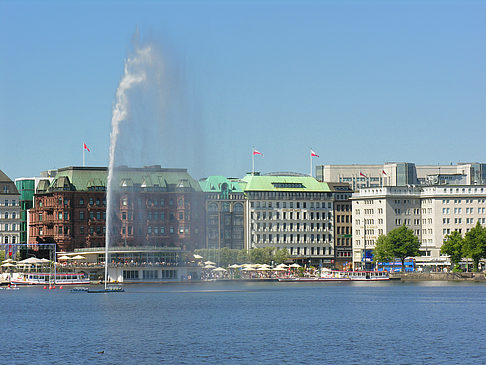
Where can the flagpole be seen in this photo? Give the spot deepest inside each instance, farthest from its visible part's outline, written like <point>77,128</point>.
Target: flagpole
<point>83,155</point>
<point>310,156</point>
<point>253,161</point>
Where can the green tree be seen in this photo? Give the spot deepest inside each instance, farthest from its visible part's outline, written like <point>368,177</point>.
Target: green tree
<point>475,244</point>
<point>454,247</point>
<point>382,253</point>
<point>280,256</point>
<point>399,243</point>
<point>261,255</point>
<point>242,257</point>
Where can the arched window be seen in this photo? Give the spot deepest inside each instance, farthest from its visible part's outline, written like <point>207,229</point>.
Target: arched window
<point>212,207</point>
<point>238,207</point>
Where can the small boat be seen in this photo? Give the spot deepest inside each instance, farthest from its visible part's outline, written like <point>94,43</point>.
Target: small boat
<point>79,290</point>
<point>39,278</point>
<point>110,289</point>
<point>10,287</point>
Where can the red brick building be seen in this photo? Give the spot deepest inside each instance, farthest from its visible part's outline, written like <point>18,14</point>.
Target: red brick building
<point>153,206</point>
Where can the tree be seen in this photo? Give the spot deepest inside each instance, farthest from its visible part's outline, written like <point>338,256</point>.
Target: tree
<point>475,244</point>
<point>280,256</point>
<point>381,253</point>
<point>399,243</point>
<point>454,247</point>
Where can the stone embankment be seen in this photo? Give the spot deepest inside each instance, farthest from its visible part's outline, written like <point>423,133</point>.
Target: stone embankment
<point>439,276</point>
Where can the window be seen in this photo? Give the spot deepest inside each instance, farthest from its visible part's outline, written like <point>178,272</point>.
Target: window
<point>81,201</point>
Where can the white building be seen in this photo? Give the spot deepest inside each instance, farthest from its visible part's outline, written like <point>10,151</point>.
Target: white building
<point>9,212</point>
<point>432,212</point>
<point>402,174</point>
<point>377,211</point>
<point>290,211</point>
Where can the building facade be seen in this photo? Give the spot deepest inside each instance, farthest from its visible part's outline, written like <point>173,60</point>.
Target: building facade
<point>376,211</point>
<point>403,174</point>
<point>432,212</point>
<point>290,211</point>
<point>9,213</point>
<point>225,216</point>
<point>343,226</point>
<point>152,207</point>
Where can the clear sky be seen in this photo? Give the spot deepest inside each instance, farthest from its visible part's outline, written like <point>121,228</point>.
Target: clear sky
<point>357,81</point>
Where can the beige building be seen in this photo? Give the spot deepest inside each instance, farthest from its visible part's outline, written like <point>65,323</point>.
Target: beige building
<point>377,211</point>
<point>9,213</point>
<point>432,212</point>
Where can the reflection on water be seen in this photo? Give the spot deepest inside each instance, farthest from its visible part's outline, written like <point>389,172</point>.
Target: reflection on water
<point>248,323</point>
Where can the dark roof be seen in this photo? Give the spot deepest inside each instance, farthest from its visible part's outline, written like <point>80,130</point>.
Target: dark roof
<point>7,186</point>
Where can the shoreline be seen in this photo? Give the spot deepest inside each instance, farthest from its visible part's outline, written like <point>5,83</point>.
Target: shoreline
<point>439,276</point>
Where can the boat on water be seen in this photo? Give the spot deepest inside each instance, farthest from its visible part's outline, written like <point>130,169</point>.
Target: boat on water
<point>79,290</point>
<point>10,287</point>
<point>335,275</point>
<point>109,289</point>
<point>39,278</point>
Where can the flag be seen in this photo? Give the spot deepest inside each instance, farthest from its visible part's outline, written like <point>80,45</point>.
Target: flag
<point>383,172</point>
<point>313,154</point>
<point>86,147</point>
<point>255,152</point>
<point>361,174</point>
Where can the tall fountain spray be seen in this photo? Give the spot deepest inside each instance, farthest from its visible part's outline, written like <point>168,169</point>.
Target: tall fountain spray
<point>153,122</point>
<point>134,74</point>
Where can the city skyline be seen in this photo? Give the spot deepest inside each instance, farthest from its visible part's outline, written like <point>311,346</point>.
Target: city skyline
<point>356,82</point>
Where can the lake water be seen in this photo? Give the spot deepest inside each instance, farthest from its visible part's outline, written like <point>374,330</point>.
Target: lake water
<point>243,323</point>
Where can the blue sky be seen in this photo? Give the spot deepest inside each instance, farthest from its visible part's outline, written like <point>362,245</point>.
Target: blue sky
<point>358,81</point>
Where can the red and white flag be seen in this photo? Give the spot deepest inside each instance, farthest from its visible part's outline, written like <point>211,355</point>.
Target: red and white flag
<point>383,172</point>
<point>86,147</point>
<point>255,152</point>
<point>361,174</point>
<point>313,154</point>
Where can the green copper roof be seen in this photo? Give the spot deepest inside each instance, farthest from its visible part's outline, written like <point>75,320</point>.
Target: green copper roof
<point>217,183</point>
<point>88,178</point>
<point>284,183</point>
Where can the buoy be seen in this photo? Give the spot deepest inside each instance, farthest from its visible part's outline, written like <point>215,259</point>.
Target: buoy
<point>53,287</point>
<point>60,287</point>
<point>45,287</point>
<point>50,287</point>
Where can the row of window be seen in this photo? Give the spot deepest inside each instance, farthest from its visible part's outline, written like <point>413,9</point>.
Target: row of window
<point>291,205</point>
<point>149,274</point>
<point>13,203</point>
<point>153,203</point>
<point>227,235</point>
<point>343,241</point>
<point>459,201</point>
<point>312,251</point>
<point>467,220</point>
<point>11,215</point>
<point>262,195</point>
<point>9,227</point>
<point>343,219</point>
<point>290,226</point>
<point>225,207</point>
<point>290,215</point>
<point>291,238</point>
<point>9,239</point>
